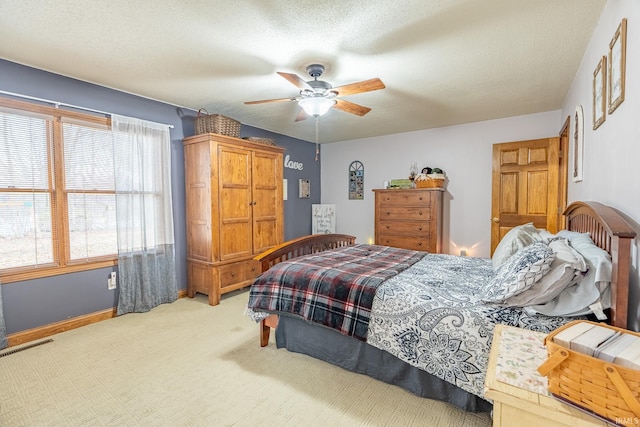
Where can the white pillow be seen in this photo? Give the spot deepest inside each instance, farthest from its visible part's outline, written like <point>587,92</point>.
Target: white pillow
<point>566,268</point>
<point>515,239</point>
<point>519,273</point>
<point>594,286</point>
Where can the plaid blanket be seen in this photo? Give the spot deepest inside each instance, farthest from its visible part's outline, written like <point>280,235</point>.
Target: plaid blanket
<point>334,288</point>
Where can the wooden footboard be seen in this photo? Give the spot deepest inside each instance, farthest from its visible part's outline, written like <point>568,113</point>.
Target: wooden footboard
<point>305,245</point>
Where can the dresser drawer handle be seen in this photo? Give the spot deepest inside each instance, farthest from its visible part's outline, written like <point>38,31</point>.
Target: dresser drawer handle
<point>388,213</point>
<point>388,227</point>
<point>420,213</point>
<point>419,228</point>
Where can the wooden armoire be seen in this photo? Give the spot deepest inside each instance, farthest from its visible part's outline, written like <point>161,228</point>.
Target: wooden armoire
<point>234,210</point>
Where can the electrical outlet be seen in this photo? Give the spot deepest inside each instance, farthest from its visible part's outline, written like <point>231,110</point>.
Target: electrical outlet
<point>111,282</point>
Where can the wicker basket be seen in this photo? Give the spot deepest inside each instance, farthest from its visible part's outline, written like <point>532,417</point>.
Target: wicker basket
<point>216,123</point>
<point>605,389</point>
<point>430,183</point>
<point>266,141</point>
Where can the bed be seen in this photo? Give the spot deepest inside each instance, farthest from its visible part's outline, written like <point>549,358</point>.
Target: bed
<point>433,340</point>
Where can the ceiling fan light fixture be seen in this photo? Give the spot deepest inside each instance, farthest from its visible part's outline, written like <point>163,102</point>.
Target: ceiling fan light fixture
<point>316,106</point>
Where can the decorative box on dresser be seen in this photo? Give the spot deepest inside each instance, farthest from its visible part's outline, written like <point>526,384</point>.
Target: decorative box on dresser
<point>234,210</point>
<point>409,218</point>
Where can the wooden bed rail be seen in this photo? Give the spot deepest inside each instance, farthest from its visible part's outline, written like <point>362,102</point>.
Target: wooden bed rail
<point>304,245</point>
<point>611,232</point>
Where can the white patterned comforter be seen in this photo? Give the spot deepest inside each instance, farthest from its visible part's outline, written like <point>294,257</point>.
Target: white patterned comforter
<point>432,317</point>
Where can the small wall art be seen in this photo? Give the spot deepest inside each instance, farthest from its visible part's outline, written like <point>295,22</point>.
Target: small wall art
<point>356,180</point>
<point>599,93</point>
<point>578,144</point>
<point>617,66</point>
<point>304,188</point>
<point>323,219</point>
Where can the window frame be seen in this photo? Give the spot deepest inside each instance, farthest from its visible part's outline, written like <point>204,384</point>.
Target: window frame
<point>62,263</point>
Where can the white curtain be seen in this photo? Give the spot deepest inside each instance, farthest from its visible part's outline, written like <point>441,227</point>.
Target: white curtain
<point>3,329</point>
<point>146,253</point>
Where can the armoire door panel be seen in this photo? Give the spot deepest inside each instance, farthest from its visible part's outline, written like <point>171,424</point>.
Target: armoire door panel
<point>265,234</point>
<point>232,245</point>
<point>234,166</point>
<point>235,203</point>
<point>265,166</point>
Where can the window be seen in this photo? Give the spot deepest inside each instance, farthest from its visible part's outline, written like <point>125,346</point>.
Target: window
<point>57,191</point>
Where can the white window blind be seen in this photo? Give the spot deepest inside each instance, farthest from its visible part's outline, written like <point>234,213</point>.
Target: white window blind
<point>90,191</point>
<point>26,227</point>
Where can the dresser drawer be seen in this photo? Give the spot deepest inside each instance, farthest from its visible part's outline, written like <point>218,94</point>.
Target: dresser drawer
<point>251,269</point>
<point>406,242</point>
<point>407,228</point>
<point>231,274</point>
<point>404,214</point>
<point>405,198</point>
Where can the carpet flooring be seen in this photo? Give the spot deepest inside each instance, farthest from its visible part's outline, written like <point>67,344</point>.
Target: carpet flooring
<point>190,364</point>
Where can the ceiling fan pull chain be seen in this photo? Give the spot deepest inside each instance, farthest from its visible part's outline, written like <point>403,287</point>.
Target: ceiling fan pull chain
<point>317,148</point>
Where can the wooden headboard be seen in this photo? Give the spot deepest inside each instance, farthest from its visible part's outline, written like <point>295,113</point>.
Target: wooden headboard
<point>609,231</point>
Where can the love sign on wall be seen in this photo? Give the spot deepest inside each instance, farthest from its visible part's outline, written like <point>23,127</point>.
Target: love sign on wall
<point>290,164</point>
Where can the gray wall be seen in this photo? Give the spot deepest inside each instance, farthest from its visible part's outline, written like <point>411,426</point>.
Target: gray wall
<point>39,302</point>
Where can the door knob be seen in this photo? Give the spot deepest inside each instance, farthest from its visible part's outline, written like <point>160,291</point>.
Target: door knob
<point>496,220</point>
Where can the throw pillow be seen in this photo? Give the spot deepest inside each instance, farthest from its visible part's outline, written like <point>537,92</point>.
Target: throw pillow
<point>567,267</point>
<point>519,273</point>
<point>515,239</point>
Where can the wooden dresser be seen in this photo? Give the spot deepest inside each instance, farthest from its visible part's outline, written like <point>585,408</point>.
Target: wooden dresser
<point>410,219</point>
<point>234,210</point>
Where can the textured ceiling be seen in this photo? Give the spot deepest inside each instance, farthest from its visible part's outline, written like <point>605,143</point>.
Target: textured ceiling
<point>444,62</point>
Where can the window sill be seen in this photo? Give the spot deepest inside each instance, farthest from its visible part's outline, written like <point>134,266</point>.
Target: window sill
<point>20,276</point>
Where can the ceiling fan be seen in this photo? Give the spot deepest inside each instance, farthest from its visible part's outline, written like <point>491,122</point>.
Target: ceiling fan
<point>317,96</point>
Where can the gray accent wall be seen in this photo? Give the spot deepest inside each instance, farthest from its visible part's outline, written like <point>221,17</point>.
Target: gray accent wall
<point>34,303</point>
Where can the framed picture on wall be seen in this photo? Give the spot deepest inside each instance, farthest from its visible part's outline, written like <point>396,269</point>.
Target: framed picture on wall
<point>599,92</point>
<point>617,66</point>
<point>578,144</point>
<point>304,189</point>
<point>356,180</point>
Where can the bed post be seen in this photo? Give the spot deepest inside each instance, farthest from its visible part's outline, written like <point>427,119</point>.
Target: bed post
<point>264,333</point>
<point>621,259</point>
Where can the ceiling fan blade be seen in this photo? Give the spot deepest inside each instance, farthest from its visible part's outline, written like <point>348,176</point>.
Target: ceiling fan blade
<point>350,107</point>
<point>359,87</point>
<point>301,116</point>
<point>264,101</point>
<point>296,81</point>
